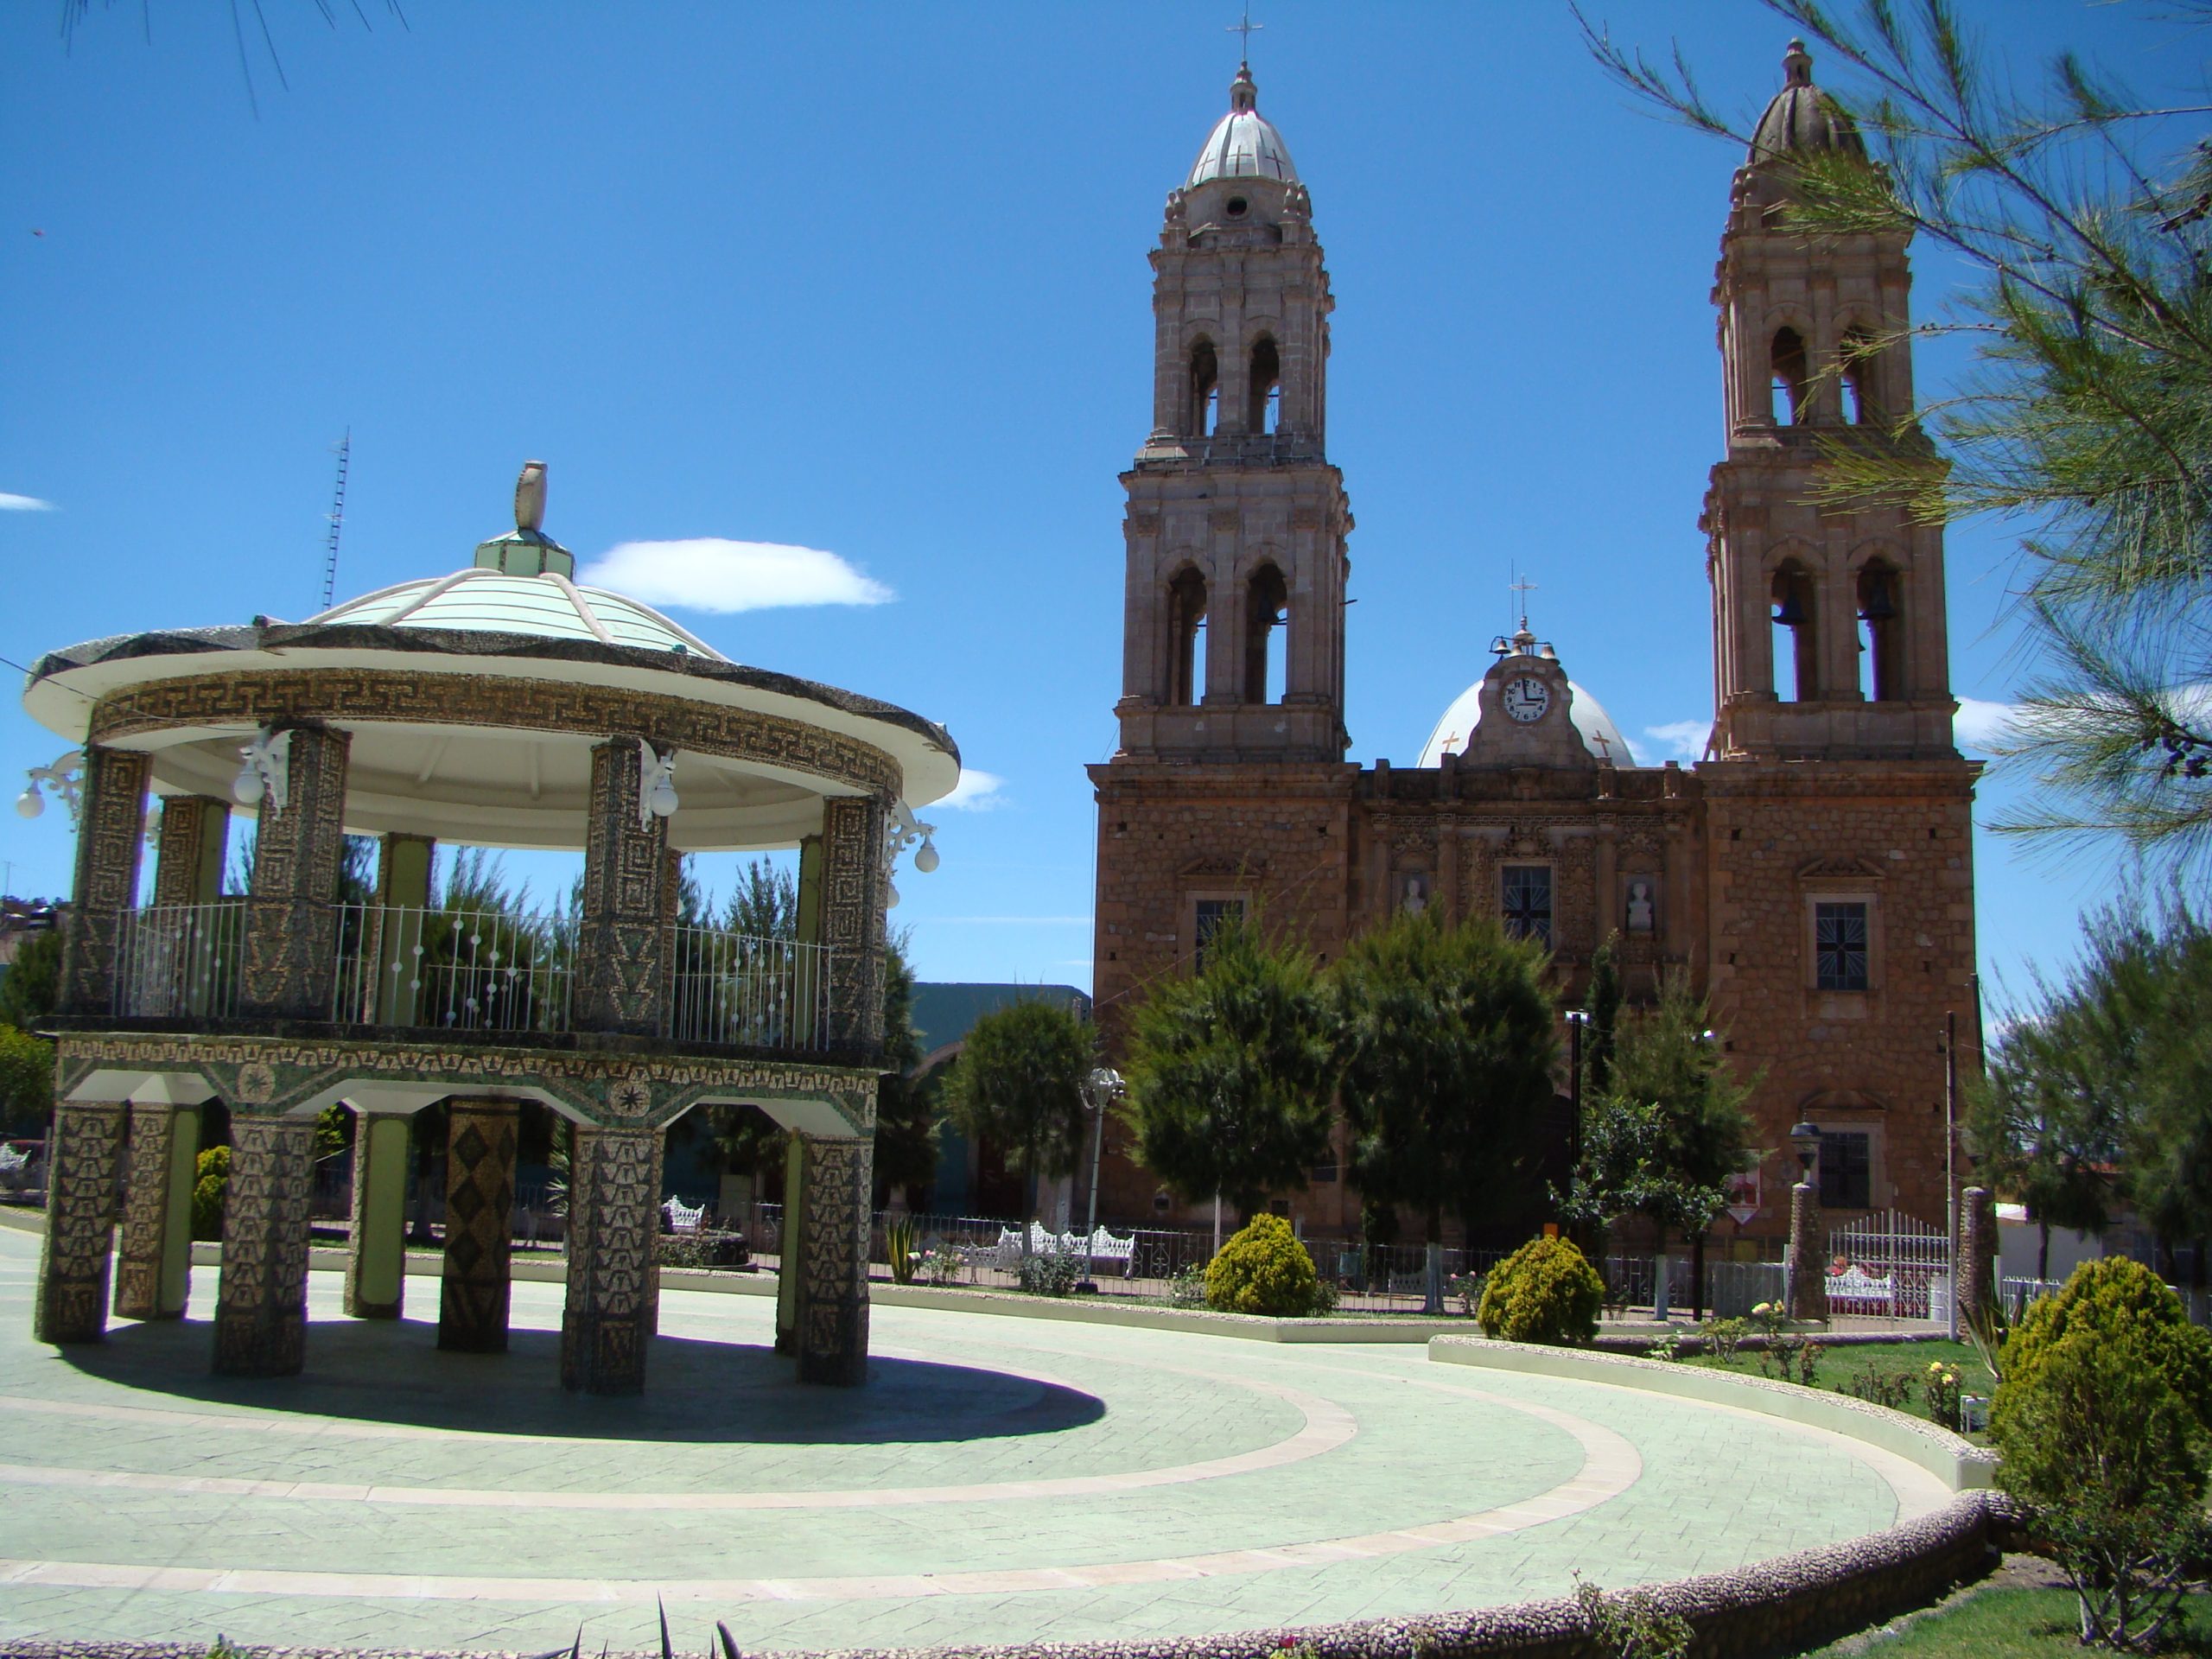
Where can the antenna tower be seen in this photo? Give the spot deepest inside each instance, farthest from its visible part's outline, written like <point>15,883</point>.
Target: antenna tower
<point>337,521</point>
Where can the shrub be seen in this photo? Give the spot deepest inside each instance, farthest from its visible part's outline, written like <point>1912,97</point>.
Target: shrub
<point>209,1188</point>
<point>1263,1269</point>
<point>1188,1287</point>
<point>899,1246</point>
<point>1630,1624</point>
<point>1546,1291</point>
<point>2112,1301</point>
<point>1050,1273</point>
<point>1726,1336</point>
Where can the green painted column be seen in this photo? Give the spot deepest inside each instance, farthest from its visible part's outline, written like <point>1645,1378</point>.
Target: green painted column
<point>811,989</point>
<point>376,1266</point>
<point>153,1272</point>
<point>790,1271</point>
<point>403,893</point>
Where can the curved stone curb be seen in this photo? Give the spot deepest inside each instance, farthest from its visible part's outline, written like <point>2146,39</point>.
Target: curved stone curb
<point>1958,1463</point>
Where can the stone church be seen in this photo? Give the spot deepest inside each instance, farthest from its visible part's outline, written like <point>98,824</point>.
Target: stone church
<point>1812,873</point>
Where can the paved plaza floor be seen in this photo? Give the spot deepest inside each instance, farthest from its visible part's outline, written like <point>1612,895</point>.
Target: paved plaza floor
<point>998,1479</point>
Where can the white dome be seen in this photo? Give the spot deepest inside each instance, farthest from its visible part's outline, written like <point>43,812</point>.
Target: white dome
<point>1243,144</point>
<point>1599,735</point>
<point>479,601</point>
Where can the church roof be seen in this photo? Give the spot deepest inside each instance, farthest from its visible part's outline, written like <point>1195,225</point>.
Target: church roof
<point>547,605</point>
<point>1243,144</point>
<point>1801,116</point>
<point>1599,735</point>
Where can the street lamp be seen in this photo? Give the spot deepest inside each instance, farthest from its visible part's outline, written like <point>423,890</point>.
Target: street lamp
<point>1806,1140</point>
<point>1100,1090</point>
<point>1576,1018</point>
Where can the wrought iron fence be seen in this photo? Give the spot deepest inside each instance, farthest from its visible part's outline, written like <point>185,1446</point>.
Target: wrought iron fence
<point>463,970</point>
<point>741,989</point>
<point>1910,1260</point>
<point>177,961</point>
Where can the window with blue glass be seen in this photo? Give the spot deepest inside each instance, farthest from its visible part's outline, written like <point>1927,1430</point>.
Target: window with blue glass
<point>1528,901</point>
<point>1840,946</point>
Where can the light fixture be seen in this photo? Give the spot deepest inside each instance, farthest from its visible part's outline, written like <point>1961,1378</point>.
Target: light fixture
<point>265,771</point>
<point>926,861</point>
<point>65,776</point>
<point>1806,1140</point>
<point>657,796</point>
<point>30,803</point>
<point>903,831</point>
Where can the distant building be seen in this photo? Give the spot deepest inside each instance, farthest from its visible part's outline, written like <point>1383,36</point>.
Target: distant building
<point>972,1178</point>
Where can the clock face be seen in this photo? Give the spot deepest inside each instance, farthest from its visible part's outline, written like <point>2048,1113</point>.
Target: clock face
<point>1526,697</point>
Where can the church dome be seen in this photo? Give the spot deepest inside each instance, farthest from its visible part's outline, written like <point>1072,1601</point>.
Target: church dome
<point>1244,143</point>
<point>1599,734</point>
<point>547,605</point>
<point>1803,118</point>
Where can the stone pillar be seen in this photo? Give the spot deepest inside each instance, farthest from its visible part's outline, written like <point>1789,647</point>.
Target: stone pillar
<point>86,1157</point>
<point>790,1249</point>
<point>153,1271</point>
<point>1807,1262</point>
<point>109,840</point>
<point>261,1301</point>
<point>614,1300</point>
<point>620,984</point>
<point>291,931</point>
<point>376,1264</point>
<point>833,1323</point>
<point>855,833</point>
<point>188,862</point>
<point>1978,1241</point>
<point>480,1226</point>
<point>402,894</point>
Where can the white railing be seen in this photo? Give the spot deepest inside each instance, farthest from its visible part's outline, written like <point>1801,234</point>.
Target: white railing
<point>458,970</point>
<point>1913,1256</point>
<point>178,961</point>
<point>742,989</point>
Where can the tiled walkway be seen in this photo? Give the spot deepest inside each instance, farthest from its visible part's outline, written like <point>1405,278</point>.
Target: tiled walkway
<point>999,1479</point>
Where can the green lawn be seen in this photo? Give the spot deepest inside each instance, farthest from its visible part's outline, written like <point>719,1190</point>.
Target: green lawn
<point>1999,1623</point>
<point>1837,1365</point>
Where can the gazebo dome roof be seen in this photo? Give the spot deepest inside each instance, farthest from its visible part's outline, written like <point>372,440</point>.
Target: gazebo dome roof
<point>1599,734</point>
<point>548,606</point>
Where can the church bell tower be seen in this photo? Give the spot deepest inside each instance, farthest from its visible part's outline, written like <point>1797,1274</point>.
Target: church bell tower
<point>1829,632</point>
<point>1233,622</point>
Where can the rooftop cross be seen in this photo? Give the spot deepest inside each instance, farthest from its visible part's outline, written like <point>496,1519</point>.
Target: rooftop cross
<point>1244,29</point>
<point>1523,586</point>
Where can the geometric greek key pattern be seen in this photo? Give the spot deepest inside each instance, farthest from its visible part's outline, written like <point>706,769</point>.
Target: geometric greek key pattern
<point>109,841</point>
<point>86,1159</point>
<point>626,871</point>
<point>854,835</point>
<point>833,1330</point>
<point>291,946</point>
<point>261,1301</point>
<point>614,1290</point>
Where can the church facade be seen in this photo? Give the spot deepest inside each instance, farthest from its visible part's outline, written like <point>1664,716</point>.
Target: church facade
<point>1812,874</point>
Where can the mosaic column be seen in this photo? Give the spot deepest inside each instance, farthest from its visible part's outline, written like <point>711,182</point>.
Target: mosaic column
<point>856,838</point>
<point>376,1264</point>
<point>614,1297</point>
<point>1807,1262</point>
<point>291,933</point>
<point>472,1292</point>
<point>1977,1253</point>
<point>790,1249</point>
<point>84,1159</point>
<point>833,1324</point>
<point>619,982</point>
<point>111,833</point>
<point>153,1270</point>
<point>188,861</point>
<point>261,1301</point>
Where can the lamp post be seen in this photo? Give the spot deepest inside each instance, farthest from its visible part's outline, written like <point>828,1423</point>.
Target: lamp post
<point>1576,1018</point>
<point>1804,1214</point>
<point>1950,1169</point>
<point>1100,1090</point>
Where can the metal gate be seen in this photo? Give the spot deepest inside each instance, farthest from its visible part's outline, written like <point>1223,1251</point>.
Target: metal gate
<point>1904,1267</point>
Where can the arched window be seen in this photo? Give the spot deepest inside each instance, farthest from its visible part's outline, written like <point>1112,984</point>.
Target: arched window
<point>1789,387</point>
<point>1186,638</point>
<point>1205,390</point>
<point>1265,629</point>
<point>1881,637</point>
<point>1796,654</point>
<point>1266,387</point>
<point>1857,363</point>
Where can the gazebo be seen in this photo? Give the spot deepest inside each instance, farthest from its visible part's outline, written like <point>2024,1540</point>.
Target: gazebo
<point>501,705</point>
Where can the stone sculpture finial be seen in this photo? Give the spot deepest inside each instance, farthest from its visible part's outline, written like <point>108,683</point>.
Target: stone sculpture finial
<point>530,496</point>
<point>1244,91</point>
<point>1798,65</point>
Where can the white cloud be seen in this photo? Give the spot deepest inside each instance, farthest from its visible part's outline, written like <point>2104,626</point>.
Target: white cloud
<point>976,791</point>
<point>23,503</point>
<point>709,574</point>
<point>1681,740</point>
<point>1980,726</point>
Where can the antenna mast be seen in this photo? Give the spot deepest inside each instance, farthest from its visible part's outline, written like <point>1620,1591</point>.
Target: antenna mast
<point>337,520</point>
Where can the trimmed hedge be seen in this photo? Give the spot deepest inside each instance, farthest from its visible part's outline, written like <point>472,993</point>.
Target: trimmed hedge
<point>1263,1269</point>
<point>1544,1291</point>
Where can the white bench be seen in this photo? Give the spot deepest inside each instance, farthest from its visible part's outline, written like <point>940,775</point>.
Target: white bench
<point>1858,1287</point>
<point>683,1218</point>
<point>1006,1255</point>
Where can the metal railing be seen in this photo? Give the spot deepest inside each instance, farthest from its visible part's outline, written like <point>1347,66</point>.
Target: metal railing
<point>743,989</point>
<point>175,961</point>
<point>463,970</point>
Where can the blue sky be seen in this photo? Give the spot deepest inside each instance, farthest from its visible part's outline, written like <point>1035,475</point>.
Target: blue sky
<point>872,280</point>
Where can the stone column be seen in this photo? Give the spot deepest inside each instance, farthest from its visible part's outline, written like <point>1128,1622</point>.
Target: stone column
<point>153,1271</point>
<point>790,1249</point>
<point>112,834</point>
<point>261,1301</point>
<point>613,1299</point>
<point>84,1158</point>
<point>1978,1241</point>
<point>291,931</point>
<point>854,832</point>
<point>402,894</point>
<point>188,862</point>
<point>376,1263</point>
<point>1807,1262</point>
<point>480,1226</point>
<point>833,1324</point>
<point>619,985</point>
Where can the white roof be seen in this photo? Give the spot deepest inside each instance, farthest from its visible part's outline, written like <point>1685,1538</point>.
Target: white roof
<point>1599,735</point>
<point>548,606</point>
<point>1243,144</point>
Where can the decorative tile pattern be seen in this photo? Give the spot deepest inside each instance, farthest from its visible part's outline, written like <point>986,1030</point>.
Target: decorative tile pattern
<point>108,844</point>
<point>358,695</point>
<point>614,1291</point>
<point>150,1198</point>
<point>261,1300</point>
<point>290,942</point>
<point>480,1234</point>
<point>853,926</point>
<point>619,982</point>
<point>193,828</point>
<point>833,1324</point>
<point>87,1155</point>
